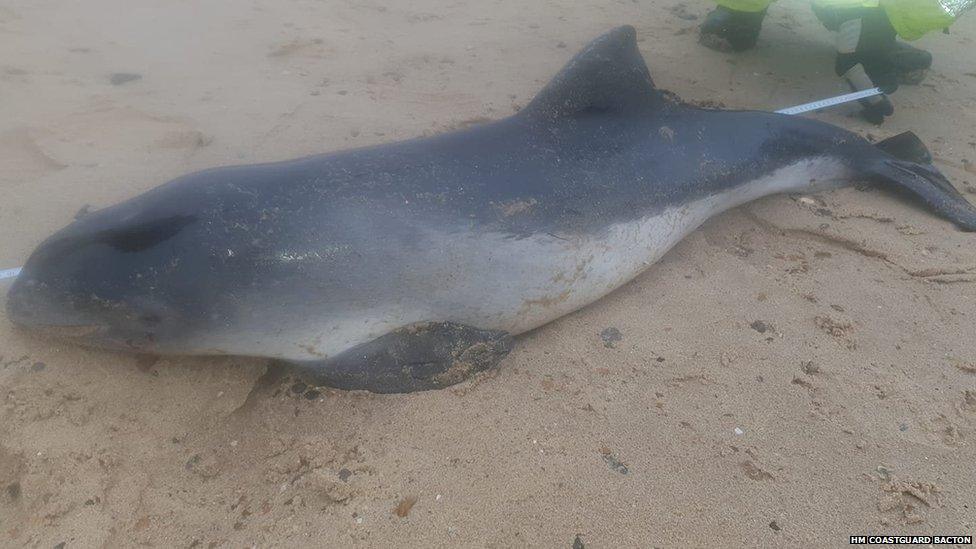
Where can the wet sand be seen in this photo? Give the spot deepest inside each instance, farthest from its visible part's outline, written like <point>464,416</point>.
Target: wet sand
<point>798,370</point>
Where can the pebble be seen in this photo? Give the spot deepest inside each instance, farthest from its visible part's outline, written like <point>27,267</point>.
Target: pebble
<point>610,337</point>
<point>761,326</point>
<point>119,78</point>
<point>809,368</point>
<point>614,462</point>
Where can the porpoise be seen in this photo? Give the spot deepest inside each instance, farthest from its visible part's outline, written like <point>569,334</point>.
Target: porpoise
<point>411,265</point>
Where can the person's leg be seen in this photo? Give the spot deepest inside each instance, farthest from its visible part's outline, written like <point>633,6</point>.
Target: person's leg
<point>908,64</point>
<point>865,40</point>
<point>734,25</point>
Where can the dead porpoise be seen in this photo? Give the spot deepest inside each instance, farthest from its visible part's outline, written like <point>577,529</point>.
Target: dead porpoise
<point>410,266</point>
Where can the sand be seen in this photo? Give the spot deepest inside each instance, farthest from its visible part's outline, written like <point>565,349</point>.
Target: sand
<point>798,370</point>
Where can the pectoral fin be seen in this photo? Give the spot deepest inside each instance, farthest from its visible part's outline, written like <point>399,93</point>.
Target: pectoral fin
<point>419,357</point>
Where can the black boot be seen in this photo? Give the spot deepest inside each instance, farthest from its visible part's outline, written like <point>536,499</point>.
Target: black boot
<point>729,30</point>
<point>911,63</point>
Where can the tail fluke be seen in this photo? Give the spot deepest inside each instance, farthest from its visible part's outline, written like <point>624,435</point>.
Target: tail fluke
<point>925,182</point>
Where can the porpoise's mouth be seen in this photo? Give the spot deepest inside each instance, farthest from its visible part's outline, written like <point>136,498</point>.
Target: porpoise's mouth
<point>39,312</point>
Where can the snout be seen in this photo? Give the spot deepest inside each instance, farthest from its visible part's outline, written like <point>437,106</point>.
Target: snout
<point>19,308</point>
<point>31,304</point>
<point>83,318</point>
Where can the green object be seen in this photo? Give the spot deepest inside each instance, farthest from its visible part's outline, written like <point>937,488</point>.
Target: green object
<point>914,18</point>
<point>911,18</point>
<point>846,4</point>
<point>751,6</point>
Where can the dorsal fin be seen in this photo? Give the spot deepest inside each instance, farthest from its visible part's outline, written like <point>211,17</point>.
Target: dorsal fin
<point>906,146</point>
<point>608,75</point>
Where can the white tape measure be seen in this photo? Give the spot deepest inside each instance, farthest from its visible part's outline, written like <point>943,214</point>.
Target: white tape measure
<point>9,273</point>
<point>831,101</point>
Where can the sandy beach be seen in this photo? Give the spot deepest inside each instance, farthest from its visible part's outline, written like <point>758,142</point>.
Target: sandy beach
<point>798,370</point>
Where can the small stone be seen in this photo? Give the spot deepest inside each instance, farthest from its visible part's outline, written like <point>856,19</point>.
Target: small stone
<point>38,366</point>
<point>403,508</point>
<point>578,543</point>
<point>344,475</point>
<point>613,462</point>
<point>328,487</point>
<point>738,432</point>
<point>299,388</point>
<point>809,368</point>
<point>610,337</point>
<point>761,326</point>
<point>774,526</point>
<point>312,395</point>
<point>13,491</point>
<point>119,78</point>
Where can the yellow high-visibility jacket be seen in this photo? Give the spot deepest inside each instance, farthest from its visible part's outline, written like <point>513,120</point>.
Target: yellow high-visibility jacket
<point>910,18</point>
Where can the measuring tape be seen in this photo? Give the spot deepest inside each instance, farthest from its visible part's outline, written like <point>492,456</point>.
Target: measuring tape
<point>831,101</point>
<point>9,273</point>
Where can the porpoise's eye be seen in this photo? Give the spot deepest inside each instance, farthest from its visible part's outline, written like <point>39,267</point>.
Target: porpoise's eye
<point>142,236</point>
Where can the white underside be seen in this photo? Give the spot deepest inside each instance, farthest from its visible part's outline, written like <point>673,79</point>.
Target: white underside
<point>492,281</point>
